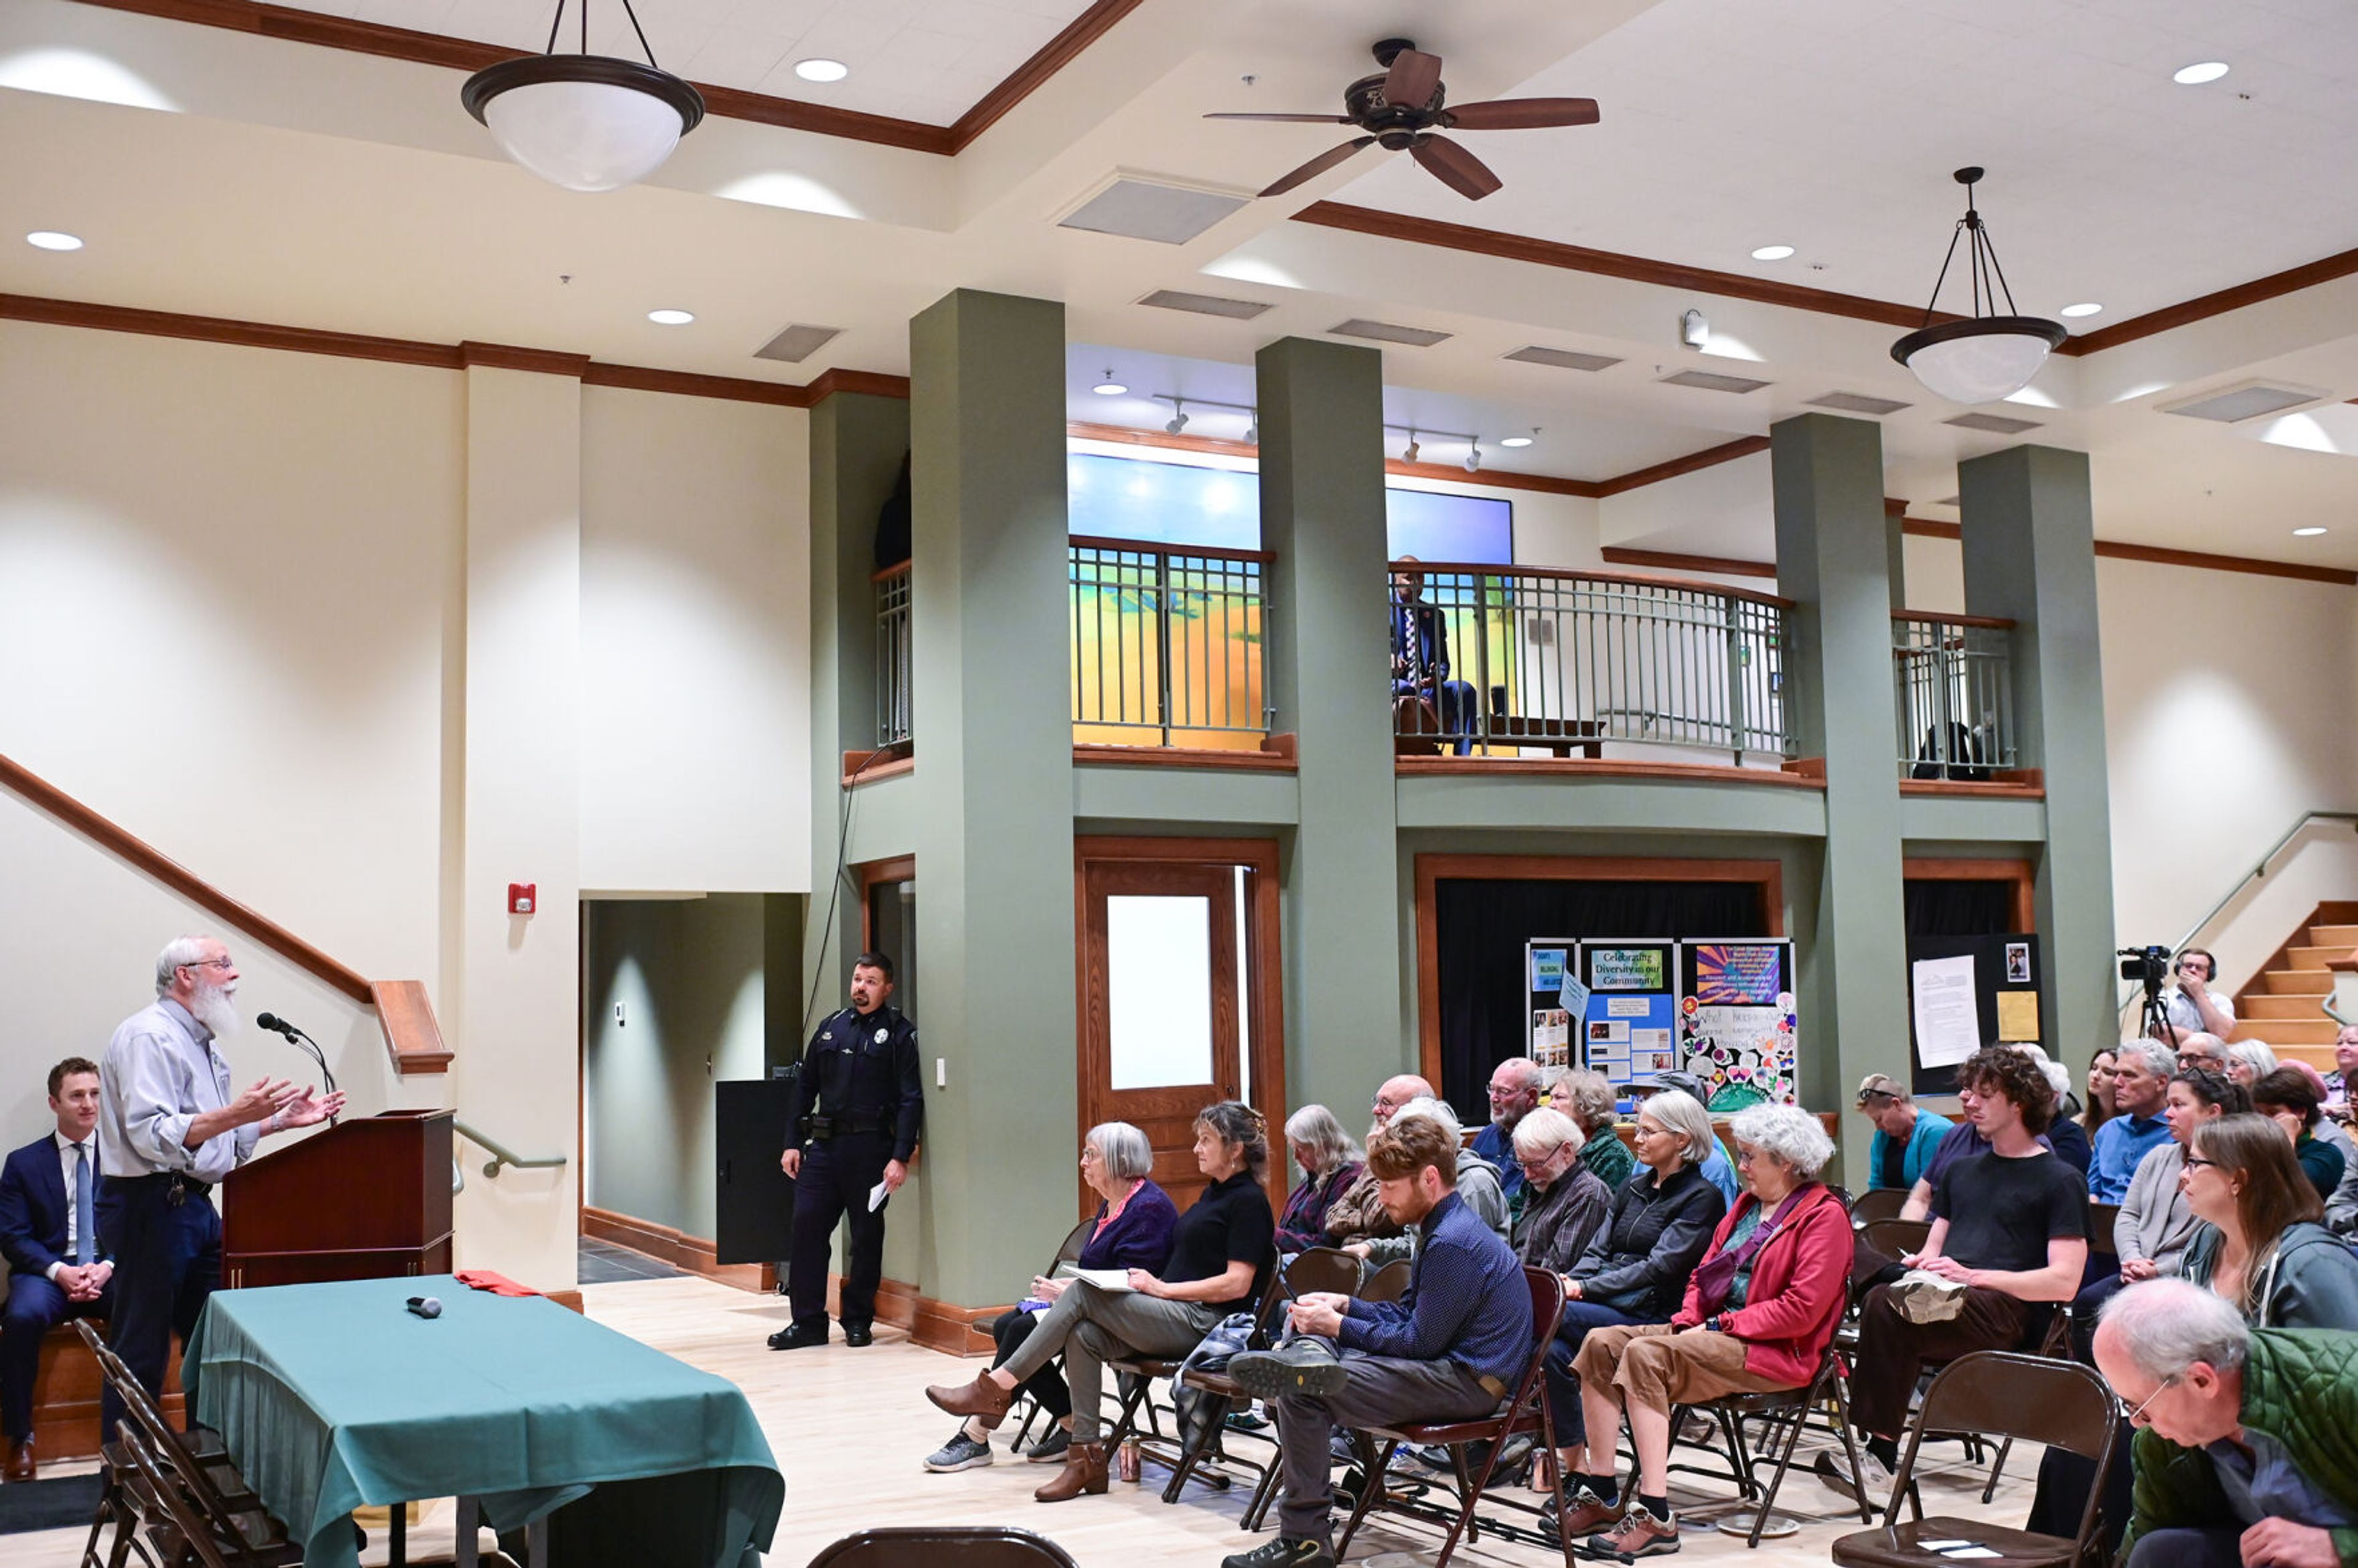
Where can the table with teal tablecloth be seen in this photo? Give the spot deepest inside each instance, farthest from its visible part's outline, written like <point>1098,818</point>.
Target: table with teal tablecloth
<point>332,1397</point>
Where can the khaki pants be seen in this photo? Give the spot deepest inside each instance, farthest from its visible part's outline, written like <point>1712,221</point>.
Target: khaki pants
<point>1656,1368</point>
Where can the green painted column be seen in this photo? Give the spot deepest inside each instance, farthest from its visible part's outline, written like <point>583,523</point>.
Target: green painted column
<point>2030,553</point>
<point>994,775</point>
<point>1347,1018</point>
<point>1833,560</point>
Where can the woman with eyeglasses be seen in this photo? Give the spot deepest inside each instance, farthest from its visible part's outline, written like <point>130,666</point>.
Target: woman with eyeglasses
<point>2260,1245</point>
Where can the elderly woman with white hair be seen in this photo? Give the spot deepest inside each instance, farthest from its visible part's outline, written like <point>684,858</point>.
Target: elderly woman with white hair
<point>1565,1204</point>
<point>1635,1267</point>
<point>1760,1310</point>
<point>1477,1187</point>
<point>2249,1061</point>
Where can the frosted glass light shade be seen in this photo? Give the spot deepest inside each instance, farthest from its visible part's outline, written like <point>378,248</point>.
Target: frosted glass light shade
<point>1980,361</point>
<point>584,122</point>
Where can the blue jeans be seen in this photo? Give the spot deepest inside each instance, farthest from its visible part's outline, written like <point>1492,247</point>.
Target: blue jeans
<point>2188,1549</point>
<point>1562,1386</point>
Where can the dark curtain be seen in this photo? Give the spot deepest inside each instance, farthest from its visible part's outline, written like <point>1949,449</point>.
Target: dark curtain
<point>1942,908</point>
<point>1481,927</point>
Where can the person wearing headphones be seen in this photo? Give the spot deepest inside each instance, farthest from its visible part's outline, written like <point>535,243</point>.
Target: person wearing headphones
<point>2187,1002</point>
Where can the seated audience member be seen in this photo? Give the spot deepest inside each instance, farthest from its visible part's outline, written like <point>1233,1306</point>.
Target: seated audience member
<point>2203,1050</point>
<point>50,1212</point>
<point>1220,1252</point>
<point>2259,1244</point>
<point>1905,1132</point>
<point>2100,1092</point>
<point>1960,1142</point>
<point>2141,1075</point>
<point>1514,1094</point>
<point>2345,1069</point>
<point>2249,1060</point>
<point>2189,1003</point>
<point>1719,1166</point>
<point>2150,1234</point>
<point>1635,1267</point>
<point>1586,1095</point>
<point>1330,1163</point>
<point>1564,1202</point>
<point>2245,1462</point>
<point>1451,1348</point>
<point>2341,1202</point>
<point>2009,1233</point>
<point>1760,1310</point>
<point>2065,1136</point>
<point>1134,1222</point>
<point>1357,1213</point>
<point>1420,638</point>
<point>2290,1100</point>
<point>1477,1187</point>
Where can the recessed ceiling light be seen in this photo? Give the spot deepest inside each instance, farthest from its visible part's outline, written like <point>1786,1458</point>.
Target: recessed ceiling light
<point>2310,533</point>
<point>2197,74</point>
<point>671,318</point>
<point>1518,440</point>
<point>816,69</point>
<point>2085,308</point>
<point>51,240</point>
<point>1772,253</point>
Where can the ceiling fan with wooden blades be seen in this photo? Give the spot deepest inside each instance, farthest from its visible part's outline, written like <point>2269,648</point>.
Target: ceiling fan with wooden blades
<point>1404,109</point>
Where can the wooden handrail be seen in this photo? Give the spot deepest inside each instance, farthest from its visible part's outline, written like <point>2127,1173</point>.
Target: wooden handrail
<point>1566,574</point>
<point>1991,622</point>
<point>1155,547</point>
<point>410,1032</point>
<point>898,568</point>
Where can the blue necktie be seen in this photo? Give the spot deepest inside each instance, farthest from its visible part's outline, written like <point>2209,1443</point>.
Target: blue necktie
<point>85,1226</point>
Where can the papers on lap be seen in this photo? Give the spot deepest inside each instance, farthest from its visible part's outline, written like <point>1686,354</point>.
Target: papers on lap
<point>1103,1279</point>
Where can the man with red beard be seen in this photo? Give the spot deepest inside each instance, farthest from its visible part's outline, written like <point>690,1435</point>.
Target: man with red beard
<point>169,1127</point>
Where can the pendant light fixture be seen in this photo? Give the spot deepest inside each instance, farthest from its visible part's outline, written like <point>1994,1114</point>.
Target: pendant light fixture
<point>1987,357</point>
<point>586,122</point>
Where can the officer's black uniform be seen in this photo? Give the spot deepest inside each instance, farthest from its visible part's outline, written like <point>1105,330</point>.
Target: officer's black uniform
<point>858,1104</point>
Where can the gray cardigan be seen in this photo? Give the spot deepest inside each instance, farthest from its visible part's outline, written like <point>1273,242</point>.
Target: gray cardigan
<point>2342,1208</point>
<point>1477,1184</point>
<point>2154,1222</point>
<point>2310,1282</point>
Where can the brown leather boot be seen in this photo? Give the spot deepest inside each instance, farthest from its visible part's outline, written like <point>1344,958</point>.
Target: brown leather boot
<point>1083,1470</point>
<point>20,1466</point>
<point>983,1399</point>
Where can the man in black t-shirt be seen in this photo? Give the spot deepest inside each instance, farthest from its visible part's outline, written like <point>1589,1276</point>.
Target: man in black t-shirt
<point>2010,1235</point>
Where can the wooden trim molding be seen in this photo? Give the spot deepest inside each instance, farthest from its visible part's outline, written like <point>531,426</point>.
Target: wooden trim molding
<point>1497,479</point>
<point>1259,761</point>
<point>2203,560</point>
<point>871,875</point>
<point>1930,528</point>
<point>507,356</point>
<point>1673,560</point>
<point>1578,767</point>
<point>2016,875</point>
<point>1033,74</point>
<point>1568,574</point>
<point>951,1329</point>
<point>691,384</point>
<point>874,383</point>
<point>1998,789</point>
<point>1991,623</point>
<point>1710,456</point>
<point>1432,870</point>
<point>668,1244</point>
<point>885,762</point>
<point>2274,286</point>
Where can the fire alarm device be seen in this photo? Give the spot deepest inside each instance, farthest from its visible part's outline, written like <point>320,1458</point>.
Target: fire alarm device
<point>523,897</point>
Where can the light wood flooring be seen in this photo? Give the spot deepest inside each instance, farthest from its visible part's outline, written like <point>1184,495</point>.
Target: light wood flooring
<point>850,1427</point>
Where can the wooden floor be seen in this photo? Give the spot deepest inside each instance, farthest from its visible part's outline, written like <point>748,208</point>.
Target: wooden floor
<point>849,1428</point>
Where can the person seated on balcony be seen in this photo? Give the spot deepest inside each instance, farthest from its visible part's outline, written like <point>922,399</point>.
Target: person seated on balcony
<point>1586,1095</point>
<point>1760,1310</point>
<point>1564,1202</point>
<point>1133,1230</point>
<point>1905,1132</point>
<point>2010,1235</point>
<point>1477,1187</point>
<point>1420,658</point>
<point>1514,1094</point>
<point>1330,1163</point>
<point>2290,1100</point>
<point>1357,1213</point>
<point>50,1208</point>
<point>2189,1003</point>
<point>2141,1073</point>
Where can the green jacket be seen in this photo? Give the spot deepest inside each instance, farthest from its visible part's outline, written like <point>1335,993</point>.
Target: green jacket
<point>2300,1387</point>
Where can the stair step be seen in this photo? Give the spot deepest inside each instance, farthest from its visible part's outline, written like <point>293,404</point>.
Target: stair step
<point>2300,982</point>
<point>2318,1056</point>
<point>2342,936</point>
<point>2281,1032</point>
<point>2269,1006</point>
<point>2317,958</point>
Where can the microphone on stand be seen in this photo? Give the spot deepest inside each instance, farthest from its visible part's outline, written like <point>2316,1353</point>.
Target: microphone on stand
<point>295,1036</point>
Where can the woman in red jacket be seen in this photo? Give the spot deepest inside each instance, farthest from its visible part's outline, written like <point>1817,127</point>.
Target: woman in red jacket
<point>1760,1310</point>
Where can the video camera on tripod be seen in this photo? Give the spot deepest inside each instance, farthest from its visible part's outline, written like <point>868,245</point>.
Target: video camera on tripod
<point>2149,967</point>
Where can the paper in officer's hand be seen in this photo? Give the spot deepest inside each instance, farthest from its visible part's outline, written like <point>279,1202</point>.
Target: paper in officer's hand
<point>876,1196</point>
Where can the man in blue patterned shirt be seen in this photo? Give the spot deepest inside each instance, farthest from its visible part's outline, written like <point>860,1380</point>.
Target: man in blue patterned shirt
<point>1449,1349</point>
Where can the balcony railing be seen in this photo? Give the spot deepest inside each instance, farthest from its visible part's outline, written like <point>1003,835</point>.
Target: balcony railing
<point>1542,658</point>
<point>1953,676</point>
<point>892,654</point>
<point>1168,644</point>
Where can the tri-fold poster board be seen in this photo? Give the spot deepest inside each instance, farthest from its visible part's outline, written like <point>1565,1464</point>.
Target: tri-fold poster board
<point>1632,1008</point>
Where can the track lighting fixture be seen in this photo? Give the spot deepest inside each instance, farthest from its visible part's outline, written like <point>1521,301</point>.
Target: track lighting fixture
<point>1410,456</point>
<point>1473,455</point>
<point>1179,415</point>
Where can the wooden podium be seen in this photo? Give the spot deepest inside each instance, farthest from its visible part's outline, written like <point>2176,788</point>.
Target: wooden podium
<point>368,1199</point>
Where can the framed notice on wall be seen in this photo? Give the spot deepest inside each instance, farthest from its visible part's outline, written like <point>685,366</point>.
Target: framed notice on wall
<point>1628,1029</point>
<point>1739,1030</point>
<point>1554,998</point>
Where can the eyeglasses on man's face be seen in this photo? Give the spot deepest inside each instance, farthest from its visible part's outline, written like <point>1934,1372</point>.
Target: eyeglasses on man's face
<point>2136,1416</point>
<point>222,963</point>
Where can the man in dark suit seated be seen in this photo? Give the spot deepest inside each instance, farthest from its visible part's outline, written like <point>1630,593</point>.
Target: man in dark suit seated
<point>1420,658</point>
<point>49,1234</point>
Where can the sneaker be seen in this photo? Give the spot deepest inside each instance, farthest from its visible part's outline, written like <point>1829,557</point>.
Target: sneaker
<point>1246,1420</point>
<point>1921,1297</point>
<point>960,1453</point>
<point>1299,1366</point>
<point>1640,1534</point>
<point>1589,1512</point>
<point>1872,1473</point>
<point>1285,1552</point>
<point>1051,1449</point>
<point>1340,1450</point>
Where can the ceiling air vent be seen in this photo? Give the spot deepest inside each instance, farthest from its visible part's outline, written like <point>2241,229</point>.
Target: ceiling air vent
<point>2245,400</point>
<point>1151,210</point>
<point>1386,332</point>
<point>797,343</point>
<point>1996,423</point>
<point>1562,359</point>
<point>1205,304</point>
<point>1712,381</point>
<point>1859,403</point>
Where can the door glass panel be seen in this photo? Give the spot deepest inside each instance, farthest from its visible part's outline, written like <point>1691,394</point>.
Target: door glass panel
<point>1159,990</point>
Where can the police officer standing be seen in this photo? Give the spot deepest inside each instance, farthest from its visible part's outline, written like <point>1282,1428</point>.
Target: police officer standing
<point>858,1104</point>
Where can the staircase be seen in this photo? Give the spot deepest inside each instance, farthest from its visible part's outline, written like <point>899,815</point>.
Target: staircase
<point>2285,1003</point>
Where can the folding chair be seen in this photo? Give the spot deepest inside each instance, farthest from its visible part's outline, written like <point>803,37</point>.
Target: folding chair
<point>1067,1250</point>
<point>1388,1283</point>
<point>944,1546</point>
<point>2002,1394</point>
<point>1879,1203</point>
<point>1785,1411</point>
<point>1524,1411</point>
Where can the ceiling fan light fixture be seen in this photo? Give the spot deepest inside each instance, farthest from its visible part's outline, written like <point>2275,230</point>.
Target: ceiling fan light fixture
<point>1987,357</point>
<point>583,120</point>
